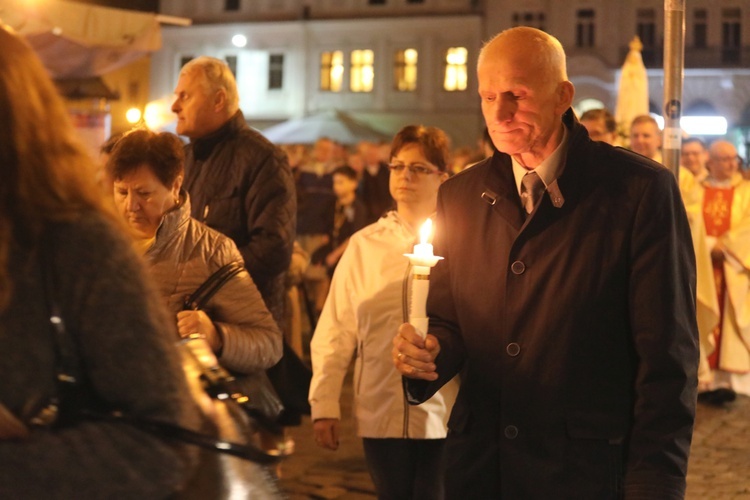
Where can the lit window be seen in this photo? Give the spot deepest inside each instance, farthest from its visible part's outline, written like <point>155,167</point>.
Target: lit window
<point>275,71</point>
<point>362,74</point>
<point>331,70</point>
<point>405,70</point>
<point>455,69</point>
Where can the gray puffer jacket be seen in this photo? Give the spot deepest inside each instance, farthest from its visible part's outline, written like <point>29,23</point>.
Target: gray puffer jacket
<point>184,254</point>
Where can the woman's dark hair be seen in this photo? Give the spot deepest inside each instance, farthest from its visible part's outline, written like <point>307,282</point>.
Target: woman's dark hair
<point>434,142</point>
<point>162,152</point>
<point>108,145</point>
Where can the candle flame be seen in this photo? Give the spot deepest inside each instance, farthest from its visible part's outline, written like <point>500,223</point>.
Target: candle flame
<point>425,230</point>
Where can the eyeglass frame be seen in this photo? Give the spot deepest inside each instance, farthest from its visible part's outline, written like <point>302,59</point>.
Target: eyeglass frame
<point>721,159</point>
<point>417,169</point>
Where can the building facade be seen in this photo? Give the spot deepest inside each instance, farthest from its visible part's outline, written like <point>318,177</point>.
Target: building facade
<point>393,62</point>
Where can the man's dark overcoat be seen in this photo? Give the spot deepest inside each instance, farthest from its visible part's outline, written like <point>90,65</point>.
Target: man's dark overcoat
<point>241,185</point>
<point>574,329</point>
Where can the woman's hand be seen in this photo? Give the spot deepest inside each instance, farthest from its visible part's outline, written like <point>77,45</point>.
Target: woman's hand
<point>326,431</point>
<point>189,322</point>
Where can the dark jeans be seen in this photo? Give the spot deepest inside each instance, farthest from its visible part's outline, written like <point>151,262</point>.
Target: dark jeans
<point>404,469</point>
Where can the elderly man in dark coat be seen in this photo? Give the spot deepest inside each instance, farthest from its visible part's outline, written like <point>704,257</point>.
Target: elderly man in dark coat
<point>566,302</point>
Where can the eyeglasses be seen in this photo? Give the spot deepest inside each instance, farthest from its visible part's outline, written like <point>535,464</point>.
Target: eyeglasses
<point>727,159</point>
<point>414,169</point>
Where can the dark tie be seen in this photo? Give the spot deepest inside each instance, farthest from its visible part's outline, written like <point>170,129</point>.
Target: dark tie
<point>532,188</point>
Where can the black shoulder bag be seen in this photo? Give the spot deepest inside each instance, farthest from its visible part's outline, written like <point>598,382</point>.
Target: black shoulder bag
<point>253,392</point>
<point>70,404</point>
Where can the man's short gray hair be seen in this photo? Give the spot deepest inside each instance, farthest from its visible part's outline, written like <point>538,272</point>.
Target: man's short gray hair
<point>217,76</point>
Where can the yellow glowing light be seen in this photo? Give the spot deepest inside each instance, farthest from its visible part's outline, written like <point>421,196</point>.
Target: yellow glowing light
<point>133,115</point>
<point>425,230</point>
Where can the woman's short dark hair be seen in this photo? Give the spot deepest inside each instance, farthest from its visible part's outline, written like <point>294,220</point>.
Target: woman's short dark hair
<point>162,152</point>
<point>434,142</point>
<point>108,145</point>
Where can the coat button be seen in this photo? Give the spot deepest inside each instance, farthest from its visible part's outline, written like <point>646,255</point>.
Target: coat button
<point>513,349</point>
<point>511,432</point>
<point>518,267</point>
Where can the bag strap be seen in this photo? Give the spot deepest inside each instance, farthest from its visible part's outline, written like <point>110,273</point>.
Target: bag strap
<point>69,384</point>
<point>66,363</point>
<point>183,435</point>
<point>204,293</point>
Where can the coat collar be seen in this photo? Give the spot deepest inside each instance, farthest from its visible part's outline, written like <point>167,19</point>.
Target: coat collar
<point>500,185</point>
<point>203,147</point>
<point>171,222</point>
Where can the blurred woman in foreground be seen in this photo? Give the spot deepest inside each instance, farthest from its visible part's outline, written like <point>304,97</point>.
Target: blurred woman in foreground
<point>56,229</point>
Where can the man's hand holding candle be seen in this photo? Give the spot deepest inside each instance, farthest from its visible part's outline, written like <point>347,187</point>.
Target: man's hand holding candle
<point>413,356</point>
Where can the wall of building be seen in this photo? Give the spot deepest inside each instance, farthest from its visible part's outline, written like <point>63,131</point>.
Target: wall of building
<point>302,29</point>
<point>302,42</point>
<point>222,11</point>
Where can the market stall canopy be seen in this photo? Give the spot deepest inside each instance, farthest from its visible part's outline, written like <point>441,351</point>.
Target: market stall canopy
<point>333,124</point>
<point>76,40</point>
<point>632,92</point>
<point>86,88</point>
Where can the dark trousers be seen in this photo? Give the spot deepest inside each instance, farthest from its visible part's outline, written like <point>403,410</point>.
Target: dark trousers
<point>405,469</point>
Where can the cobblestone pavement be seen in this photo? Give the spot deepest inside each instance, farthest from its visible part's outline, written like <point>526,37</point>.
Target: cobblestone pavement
<point>720,457</point>
<point>719,463</point>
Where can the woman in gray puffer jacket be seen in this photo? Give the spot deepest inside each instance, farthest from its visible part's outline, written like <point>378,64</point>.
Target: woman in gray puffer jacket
<point>146,169</point>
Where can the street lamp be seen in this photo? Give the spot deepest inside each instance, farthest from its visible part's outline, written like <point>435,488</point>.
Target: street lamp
<point>133,115</point>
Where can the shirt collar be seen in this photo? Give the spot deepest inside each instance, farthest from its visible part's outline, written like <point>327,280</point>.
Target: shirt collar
<point>549,169</point>
<point>735,180</point>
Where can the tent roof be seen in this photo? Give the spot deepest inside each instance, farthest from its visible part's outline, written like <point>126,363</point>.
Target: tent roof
<point>86,88</point>
<point>76,40</point>
<point>334,124</point>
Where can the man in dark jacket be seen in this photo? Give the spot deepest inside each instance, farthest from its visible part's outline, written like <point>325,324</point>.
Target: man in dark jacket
<point>239,183</point>
<point>565,300</point>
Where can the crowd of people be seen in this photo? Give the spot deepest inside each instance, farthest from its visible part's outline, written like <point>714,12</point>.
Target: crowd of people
<point>587,298</point>
<point>715,188</point>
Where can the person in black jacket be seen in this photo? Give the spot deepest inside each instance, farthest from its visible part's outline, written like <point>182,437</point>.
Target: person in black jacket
<point>239,183</point>
<point>566,300</point>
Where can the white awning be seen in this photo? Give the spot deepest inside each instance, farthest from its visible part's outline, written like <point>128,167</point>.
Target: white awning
<point>77,40</point>
<point>332,124</point>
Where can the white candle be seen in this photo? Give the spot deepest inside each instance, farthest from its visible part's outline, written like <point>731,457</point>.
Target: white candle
<point>422,259</point>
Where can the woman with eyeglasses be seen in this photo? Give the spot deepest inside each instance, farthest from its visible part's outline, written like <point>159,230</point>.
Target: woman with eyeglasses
<point>366,304</point>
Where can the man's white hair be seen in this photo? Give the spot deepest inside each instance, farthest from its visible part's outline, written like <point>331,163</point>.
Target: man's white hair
<point>216,76</point>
